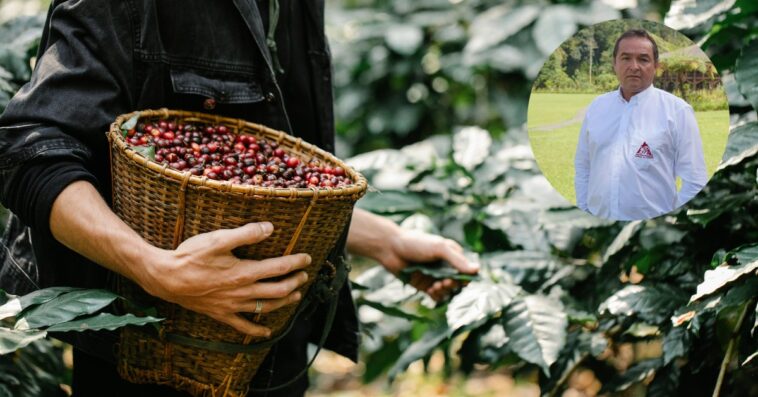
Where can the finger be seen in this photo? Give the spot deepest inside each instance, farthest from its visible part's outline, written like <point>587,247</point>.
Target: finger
<point>278,266</point>
<point>436,293</point>
<point>270,305</point>
<point>449,284</point>
<point>229,239</point>
<point>454,245</point>
<point>273,289</point>
<point>240,324</point>
<point>448,252</point>
<point>442,289</point>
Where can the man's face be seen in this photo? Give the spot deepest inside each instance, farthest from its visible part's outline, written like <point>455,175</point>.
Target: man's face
<point>634,65</point>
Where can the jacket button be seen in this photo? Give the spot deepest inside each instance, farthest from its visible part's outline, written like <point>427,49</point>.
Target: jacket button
<point>270,96</point>
<point>209,104</point>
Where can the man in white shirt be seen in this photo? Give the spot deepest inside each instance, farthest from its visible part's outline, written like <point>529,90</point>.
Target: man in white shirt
<point>636,141</point>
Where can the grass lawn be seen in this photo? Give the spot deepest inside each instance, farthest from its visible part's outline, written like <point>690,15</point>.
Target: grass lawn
<point>555,149</point>
<point>546,109</point>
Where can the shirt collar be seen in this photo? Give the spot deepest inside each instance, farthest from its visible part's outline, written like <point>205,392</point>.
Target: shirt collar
<point>640,96</point>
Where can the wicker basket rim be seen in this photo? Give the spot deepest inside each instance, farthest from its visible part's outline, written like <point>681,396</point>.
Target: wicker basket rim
<point>358,187</point>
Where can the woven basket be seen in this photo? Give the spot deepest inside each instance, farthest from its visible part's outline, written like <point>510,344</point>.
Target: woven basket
<point>166,207</point>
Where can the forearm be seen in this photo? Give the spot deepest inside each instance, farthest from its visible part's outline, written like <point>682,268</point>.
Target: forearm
<point>82,221</point>
<point>201,274</point>
<point>370,234</point>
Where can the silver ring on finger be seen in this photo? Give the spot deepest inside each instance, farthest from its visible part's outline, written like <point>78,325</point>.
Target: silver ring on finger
<point>258,306</point>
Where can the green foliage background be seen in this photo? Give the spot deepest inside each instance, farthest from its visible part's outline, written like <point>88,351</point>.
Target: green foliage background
<point>448,84</point>
<point>556,292</point>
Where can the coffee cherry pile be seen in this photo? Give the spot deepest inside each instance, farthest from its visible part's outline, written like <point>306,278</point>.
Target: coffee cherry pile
<point>214,152</point>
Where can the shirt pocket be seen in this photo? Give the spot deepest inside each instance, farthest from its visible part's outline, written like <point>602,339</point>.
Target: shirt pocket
<point>647,147</point>
<point>220,90</point>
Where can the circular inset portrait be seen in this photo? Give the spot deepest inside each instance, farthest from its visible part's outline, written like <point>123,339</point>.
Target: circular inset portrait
<point>628,119</point>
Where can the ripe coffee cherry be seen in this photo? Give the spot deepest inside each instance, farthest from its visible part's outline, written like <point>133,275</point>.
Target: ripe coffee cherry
<point>214,152</point>
<point>293,162</point>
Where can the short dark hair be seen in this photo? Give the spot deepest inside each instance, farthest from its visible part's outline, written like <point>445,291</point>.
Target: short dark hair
<point>636,33</point>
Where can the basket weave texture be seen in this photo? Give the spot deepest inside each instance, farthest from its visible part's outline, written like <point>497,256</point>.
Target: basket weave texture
<point>166,207</point>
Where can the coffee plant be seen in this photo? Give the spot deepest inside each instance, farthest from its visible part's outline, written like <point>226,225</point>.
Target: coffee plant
<point>561,292</point>
<point>19,39</point>
<point>37,369</point>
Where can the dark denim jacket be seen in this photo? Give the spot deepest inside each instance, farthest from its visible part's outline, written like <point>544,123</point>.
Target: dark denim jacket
<point>99,59</point>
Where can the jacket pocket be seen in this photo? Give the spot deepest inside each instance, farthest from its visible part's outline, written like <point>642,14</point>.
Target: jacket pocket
<point>18,267</point>
<point>222,90</point>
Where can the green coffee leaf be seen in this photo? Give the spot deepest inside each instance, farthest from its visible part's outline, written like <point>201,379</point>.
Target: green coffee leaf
<point>390,202</point>
<point>536,326</point>
<point>404,39</point>
<point>661,235</point>
<point>392,310</point>
<point>376,362</point>
<point>479,300</point>
<point>724,205</point>
<point>633,375</point>
<point>741,139</point>
<point>497,24</point>
<point>686,14</point>
<point>718,257</point>
<point>623,239</point>
<point>750,358</point>
<point>130,124</point>
<point>418,350</point>
<point>12,340</point>
<point>742,255</point>
<point>721,276</point>
<point>652,303</point>
<point>554,25</point>
<point>746,72</point>
<point>675,344</point>
<point>65,308</point>
<point>147,152</point>
<point>578,345</point>
<point>17,304</point>
<point>666,382</point>
<point>471,146</point>
<point>102,321</point>
<point>438,270</point>
<point>529,269</point>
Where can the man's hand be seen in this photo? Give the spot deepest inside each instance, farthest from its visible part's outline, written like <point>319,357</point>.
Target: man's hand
<point>396,248</point>
<point>409,247</point>
<point>203,275</point>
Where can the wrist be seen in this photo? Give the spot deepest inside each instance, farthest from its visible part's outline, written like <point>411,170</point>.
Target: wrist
<point>146,265</point>
<point>372,236</point>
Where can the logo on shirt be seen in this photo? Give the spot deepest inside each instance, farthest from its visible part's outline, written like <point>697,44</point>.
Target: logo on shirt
<point>644,151</point>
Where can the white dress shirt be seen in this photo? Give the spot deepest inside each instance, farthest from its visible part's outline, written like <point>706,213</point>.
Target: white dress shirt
<point>631,152</point>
